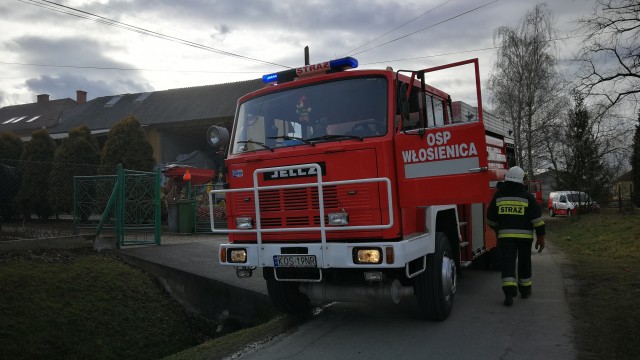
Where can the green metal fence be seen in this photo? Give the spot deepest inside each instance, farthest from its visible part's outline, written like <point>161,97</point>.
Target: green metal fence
<point>127,204</point>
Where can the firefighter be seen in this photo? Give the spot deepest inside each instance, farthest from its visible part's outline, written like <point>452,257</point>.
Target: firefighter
<point>516,217</point>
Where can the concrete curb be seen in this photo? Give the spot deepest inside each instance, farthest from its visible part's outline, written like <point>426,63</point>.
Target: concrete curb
<point>207,297</point>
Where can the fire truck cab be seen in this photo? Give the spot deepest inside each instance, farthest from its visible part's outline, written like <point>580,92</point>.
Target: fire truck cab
<point>357,185</point>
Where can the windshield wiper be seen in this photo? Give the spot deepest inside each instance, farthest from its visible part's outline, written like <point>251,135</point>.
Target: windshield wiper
<point>255,142</point>
<point>287,137</point>
<point>334,137</point>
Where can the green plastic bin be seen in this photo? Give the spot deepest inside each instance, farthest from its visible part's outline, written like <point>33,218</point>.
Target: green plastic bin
<point>186,216</point>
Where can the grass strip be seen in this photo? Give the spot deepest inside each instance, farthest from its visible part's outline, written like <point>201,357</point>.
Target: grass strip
<point>604,253</point>
<point>63,304</point>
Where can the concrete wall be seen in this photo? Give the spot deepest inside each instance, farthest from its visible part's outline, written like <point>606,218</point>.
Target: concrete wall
<point>210,298</point>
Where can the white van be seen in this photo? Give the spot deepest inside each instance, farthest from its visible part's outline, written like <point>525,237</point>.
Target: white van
<point>568,202</point>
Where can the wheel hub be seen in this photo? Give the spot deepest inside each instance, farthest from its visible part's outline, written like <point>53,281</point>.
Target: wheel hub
<point>449,277</point>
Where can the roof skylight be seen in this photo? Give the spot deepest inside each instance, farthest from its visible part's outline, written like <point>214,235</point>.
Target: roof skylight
<point>113,101</point>
<point>142,97</point>
<point>10,120</point>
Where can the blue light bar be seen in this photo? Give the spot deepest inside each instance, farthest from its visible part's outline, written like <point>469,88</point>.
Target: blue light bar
<point>307,70</point>
<point>344,63</point>
<point>269,78</point>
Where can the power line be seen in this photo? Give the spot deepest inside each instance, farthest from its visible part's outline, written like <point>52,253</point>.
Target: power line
<point>256,72</point>
<point>428,27</point>
<point>128,69</point>
<point>400,26</point>
<point>465,51</point>
<point>50,5</point>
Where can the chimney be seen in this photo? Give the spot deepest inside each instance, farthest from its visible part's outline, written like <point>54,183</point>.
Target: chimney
<point>81,97</point>
<point>43,98</point>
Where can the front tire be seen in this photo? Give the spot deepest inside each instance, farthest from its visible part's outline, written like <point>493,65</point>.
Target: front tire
<point>285,295</point>
<point>436,286</point>
<point>551,212</point>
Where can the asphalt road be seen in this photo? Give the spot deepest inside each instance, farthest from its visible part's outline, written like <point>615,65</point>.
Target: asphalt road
<point>480,326</point>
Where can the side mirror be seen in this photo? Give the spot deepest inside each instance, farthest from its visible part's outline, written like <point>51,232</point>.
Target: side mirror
<point>217,136</point>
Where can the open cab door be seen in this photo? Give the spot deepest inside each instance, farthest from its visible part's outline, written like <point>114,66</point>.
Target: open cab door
<point>440,159</point>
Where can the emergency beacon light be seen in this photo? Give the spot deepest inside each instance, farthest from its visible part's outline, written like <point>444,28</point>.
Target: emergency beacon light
<point>307,70</point>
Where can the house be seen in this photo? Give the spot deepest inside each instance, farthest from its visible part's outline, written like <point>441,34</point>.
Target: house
<point>175,121</point>
<point>24,119</point>
<point>549,183</point>
<point>622,187</point>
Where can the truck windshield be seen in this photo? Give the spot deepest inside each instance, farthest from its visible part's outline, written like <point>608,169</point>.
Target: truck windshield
<point>348,109</point>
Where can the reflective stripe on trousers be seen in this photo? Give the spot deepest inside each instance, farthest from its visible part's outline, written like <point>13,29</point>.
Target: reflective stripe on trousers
<point>515,233</point>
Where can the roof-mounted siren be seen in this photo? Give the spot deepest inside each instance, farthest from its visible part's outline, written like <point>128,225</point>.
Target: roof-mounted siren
<point>309,70</point>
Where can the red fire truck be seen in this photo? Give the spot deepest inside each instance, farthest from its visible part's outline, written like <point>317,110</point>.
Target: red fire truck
<point>535,188</point>
<point>354,185</point>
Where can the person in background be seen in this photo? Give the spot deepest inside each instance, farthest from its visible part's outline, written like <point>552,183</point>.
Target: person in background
<point>516,217</point>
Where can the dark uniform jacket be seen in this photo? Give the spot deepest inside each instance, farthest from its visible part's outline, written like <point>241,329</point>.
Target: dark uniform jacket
<point>514,212</point>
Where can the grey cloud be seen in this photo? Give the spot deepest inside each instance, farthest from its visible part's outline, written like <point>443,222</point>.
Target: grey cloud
<point>69,51</point>
<point>223,29</point>
<point>331,29</point>
<point>65,85</point>
<point>75,52</point>
<point>297,17</point>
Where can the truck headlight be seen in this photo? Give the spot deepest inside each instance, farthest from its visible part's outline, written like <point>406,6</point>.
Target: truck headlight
<point>237,255</point>
<point>244,223</point>
<point>367,256</point>
<point>338,219</point>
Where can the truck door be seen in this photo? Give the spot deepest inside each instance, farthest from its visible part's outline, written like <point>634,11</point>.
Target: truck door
<point>439,161</point>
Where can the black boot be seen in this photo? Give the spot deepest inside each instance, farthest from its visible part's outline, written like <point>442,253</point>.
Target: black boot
<point>508,299</point>
<point>525,291</point>
<point>509,293</point>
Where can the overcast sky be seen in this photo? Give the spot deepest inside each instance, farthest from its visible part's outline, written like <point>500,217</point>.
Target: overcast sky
<point>44,50</point>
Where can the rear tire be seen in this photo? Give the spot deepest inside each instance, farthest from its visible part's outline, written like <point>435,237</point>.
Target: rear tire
<point>436,286</point>
<point>285,295</point>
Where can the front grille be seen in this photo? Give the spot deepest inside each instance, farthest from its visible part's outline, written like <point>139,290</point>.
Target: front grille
<point>330,197</point>
<point>295,199</point>
<point>300,207</point>
<point>269,200</point>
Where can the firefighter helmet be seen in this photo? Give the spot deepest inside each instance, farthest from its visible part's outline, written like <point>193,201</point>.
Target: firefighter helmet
<point>515,174</point>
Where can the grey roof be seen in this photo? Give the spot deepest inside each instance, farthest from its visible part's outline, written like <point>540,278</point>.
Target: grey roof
<point>26,118</point>
<point>625,177</point>
<point>159,107</point>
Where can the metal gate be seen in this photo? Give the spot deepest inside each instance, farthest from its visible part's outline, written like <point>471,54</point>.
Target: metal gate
<point>127,203</point>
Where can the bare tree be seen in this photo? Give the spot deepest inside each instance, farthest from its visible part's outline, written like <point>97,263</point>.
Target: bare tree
<point>525,86</point>
<point>635,165</point>
<point>610,59</point>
